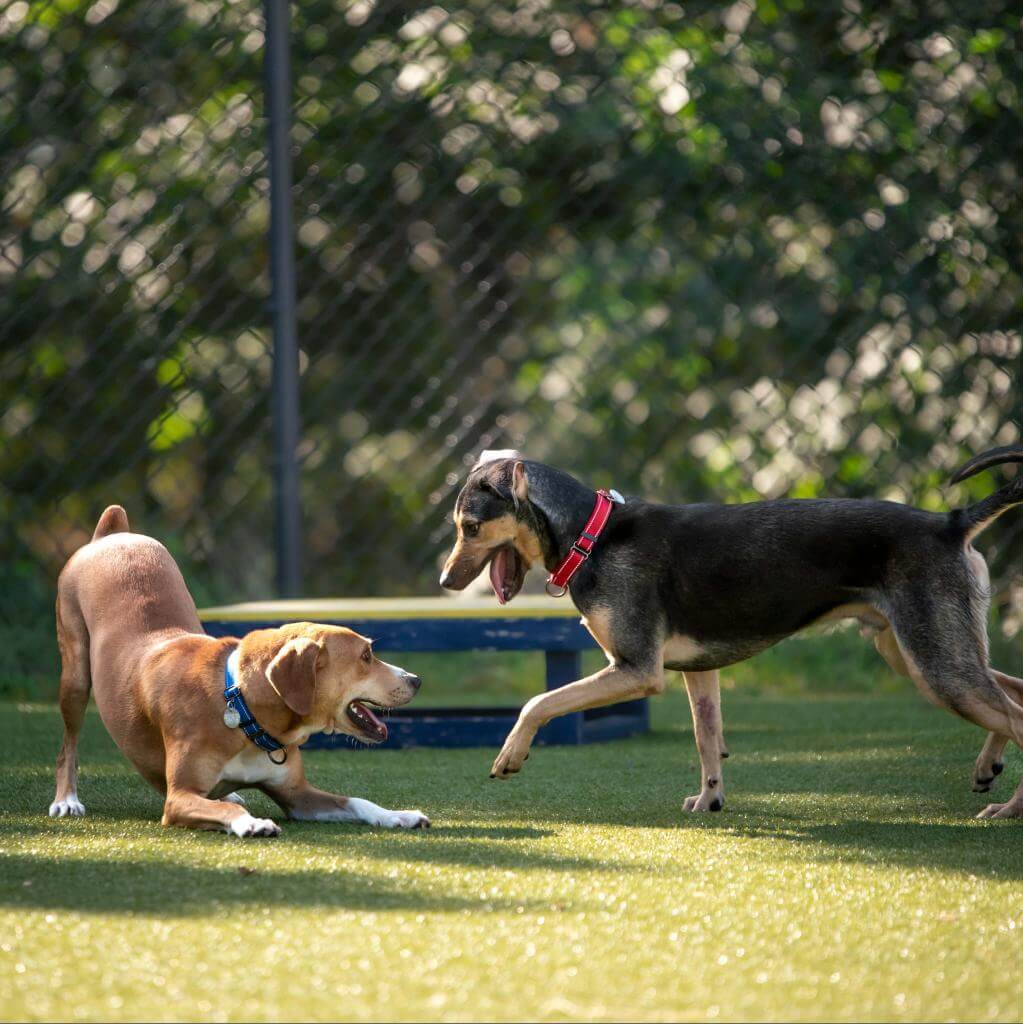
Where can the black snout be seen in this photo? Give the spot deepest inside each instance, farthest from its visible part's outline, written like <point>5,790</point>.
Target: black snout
<point>414,681</point>
<point>445,579</point>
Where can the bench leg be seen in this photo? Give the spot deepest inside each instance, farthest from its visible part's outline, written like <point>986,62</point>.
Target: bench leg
<point>563,667</point>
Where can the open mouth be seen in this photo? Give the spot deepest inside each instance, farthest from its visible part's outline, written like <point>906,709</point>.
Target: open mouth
<point>507,571</point>
<point>360,714</point>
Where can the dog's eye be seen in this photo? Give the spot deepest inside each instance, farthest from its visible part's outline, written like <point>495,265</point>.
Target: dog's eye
<point>367,655</point>
<point>470,529</point>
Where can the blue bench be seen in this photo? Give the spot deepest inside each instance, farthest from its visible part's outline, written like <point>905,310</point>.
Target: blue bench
<point>442,624</point>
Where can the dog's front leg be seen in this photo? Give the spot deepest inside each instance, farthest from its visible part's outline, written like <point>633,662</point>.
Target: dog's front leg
<point>302,801</point>
<point>704,689</point>
<point>190,776</point>
<point>315,805</point>
<point>610,685</point>
<point>186,809</point>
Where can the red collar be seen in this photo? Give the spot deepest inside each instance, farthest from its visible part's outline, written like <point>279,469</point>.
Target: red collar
<point>583,547</point>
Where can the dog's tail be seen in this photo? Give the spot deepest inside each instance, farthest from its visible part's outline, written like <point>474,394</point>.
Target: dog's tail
<point>113,520</point>
<point>977,517</point>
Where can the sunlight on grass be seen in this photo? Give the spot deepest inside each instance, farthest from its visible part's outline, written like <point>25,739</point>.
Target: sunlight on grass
<point>846,879</point>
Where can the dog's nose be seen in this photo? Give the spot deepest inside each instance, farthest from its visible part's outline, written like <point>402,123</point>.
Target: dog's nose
<point>445,579</point>
<point>414,681</point>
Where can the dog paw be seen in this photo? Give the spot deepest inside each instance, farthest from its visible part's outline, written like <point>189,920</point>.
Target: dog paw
<point>984,776</point>
<point>405,819</point>
<point>69,807</point>
<point>703,802</point>
<point>510,761</point>
<point>245,825</point>
<point>1014,809</point>
<point>234,798</point>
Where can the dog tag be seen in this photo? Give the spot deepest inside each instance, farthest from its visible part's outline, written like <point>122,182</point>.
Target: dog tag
<point>232,719</point>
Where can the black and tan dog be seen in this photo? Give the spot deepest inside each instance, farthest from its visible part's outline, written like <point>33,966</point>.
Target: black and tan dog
<point>698,587</point>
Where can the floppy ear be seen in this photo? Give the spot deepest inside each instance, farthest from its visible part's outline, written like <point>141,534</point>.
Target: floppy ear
<point>292,673</point>
<point>519,484</point>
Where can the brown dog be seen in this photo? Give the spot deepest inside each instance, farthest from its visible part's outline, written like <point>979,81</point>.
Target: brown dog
<point>128,629</point>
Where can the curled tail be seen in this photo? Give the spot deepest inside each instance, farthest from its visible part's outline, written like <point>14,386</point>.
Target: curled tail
<point>976,517</point>
<point>113,520</point>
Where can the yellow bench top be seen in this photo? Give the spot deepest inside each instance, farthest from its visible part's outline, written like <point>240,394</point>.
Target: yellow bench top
<point>338,609</point>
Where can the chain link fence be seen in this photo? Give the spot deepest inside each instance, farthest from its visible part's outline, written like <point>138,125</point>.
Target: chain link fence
<point>693,251</point>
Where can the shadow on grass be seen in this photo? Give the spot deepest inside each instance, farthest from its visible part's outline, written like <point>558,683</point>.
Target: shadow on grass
<point>467,846</point>
<point>118,886</point>
<point>989,849</point>
<point>455,845</point>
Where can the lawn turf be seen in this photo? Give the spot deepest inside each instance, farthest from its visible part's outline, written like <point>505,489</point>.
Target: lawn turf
<point>845,880</point>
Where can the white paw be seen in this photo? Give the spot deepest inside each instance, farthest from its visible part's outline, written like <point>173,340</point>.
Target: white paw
<point>235,798</point>
<point>403,819</point>
<point>69,807</point>
<point>245,825</point>
<point>370,813</point>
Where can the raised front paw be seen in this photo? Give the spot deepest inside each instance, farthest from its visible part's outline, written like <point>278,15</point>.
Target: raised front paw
<point>245,825</point>
<point>707,800</point>
<point>513,756</point>
<point>404,819</point>
<point>69,807</point>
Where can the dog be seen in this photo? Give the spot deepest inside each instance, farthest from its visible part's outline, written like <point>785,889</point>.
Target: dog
<point>198,716</point>
<point>698,587</point>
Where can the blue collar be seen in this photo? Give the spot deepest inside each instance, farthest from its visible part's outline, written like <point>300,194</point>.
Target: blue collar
<point>238,714</point>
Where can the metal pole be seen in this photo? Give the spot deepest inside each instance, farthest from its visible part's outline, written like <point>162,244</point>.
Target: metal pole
<point>288,521</point>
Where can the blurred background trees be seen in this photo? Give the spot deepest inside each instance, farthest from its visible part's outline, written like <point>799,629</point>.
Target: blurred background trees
<point>692,250</point>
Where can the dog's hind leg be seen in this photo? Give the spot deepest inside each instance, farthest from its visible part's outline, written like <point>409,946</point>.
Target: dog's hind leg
<point>945,654</point>
<point>990,762</point>
<point>998,704</point>
<point>888,647</point>
<point>75,686</point>
<point>1011,685</point>
<point>704,689</point>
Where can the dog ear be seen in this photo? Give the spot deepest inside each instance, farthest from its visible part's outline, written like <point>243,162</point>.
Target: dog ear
<point>292,673</point>
<point>519,484</point>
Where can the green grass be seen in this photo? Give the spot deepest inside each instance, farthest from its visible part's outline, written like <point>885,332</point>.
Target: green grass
<point>845,880</point>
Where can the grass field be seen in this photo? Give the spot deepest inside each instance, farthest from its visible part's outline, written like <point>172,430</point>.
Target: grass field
<point>845,880</point>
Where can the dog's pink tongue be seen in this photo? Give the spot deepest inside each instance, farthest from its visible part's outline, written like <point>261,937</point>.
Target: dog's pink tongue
<point>498,567</point>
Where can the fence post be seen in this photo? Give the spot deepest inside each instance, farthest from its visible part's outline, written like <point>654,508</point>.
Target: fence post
<point>288,514</point>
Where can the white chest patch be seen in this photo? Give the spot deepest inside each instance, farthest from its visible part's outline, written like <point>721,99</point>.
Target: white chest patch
<point>252,766</point>
<point>681,650</point>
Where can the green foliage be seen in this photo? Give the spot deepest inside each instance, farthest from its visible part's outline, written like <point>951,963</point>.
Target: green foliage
<point>726,251</point>
<point>29,664</point>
